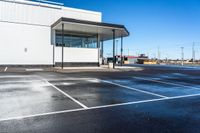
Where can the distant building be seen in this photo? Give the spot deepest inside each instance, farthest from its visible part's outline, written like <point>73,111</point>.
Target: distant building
<point>142,58</point>
<point>125,59</point>
<point>130,59</point>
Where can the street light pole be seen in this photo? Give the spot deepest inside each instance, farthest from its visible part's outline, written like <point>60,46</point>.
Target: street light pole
<point>193,53</point>
<point>182,55</point>
<point>121,50</point>
<point>114,57</point>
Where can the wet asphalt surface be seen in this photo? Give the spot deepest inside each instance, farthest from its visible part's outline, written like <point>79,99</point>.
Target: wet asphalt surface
<point>31,101</point>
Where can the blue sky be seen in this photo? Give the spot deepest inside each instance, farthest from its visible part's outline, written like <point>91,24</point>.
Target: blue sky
<point>167,24</point>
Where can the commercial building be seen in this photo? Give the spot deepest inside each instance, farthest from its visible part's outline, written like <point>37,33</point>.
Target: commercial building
<point>47,33</point>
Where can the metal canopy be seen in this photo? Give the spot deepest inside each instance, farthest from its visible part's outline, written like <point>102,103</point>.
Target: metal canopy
<point>104,30</point>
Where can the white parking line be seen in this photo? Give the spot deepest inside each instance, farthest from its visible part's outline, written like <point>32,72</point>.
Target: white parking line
<point>42,114</point>
<point>76,101</point>
<point>37,80</point>
<point>82,79</point>
<point>5,69</point>
<point>20,81</point>
<point>98,107</point>
<point>35,69</point>
<point>16,76</point>
<point>163,82</point>
<point>131,88</point>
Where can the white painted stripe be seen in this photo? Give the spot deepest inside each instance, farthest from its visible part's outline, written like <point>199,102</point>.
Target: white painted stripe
<point>97,107</point>
<point>38,80</point>
<point>76,101</point>
<point>58,79</point>
<point>16,76</point>
<point>49,79</point>
<point>163,82</point>
<point>42,114</point>
<point>86,79</point>
<point>36,69</point>
<point>131,88</point>
<point>20,81</point>
<point>5,69</point>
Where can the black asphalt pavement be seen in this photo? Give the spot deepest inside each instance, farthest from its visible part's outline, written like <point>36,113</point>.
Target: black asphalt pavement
<point>145,99</point>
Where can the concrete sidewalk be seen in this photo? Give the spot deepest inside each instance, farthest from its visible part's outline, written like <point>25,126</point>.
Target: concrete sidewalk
<point>69,69</point>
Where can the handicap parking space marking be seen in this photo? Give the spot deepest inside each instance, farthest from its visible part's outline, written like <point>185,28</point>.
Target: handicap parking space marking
<point>97,107</point>
<point>164,82</point>
<point>131,88</point>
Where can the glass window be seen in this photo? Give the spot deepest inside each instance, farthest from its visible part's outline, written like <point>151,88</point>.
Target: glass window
<point>77,41</point>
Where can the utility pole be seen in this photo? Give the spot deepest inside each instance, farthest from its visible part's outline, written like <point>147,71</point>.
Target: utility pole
<point>158,54</point>
<point>193,52</point>
<point>182,55</point>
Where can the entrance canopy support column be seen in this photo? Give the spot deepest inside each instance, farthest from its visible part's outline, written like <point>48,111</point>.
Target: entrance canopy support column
<point>121,50</point>
<point>114,60</point>
<point>102,53</point>
<point>62,65</point>
<point>53,44</point>
<point>98,46</point>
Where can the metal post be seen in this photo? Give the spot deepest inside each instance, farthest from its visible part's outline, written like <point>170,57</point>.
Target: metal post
<point>53,44</point>
<point>193,53</point>
<point>53,55</point>
<point>158,55</point>
<point>117,47</point>
<point>98,46</point>
<point>102,52</point>
<point>121,50</point>
<point>182,54</point>
<point>114,61</point>
<point>62,45</point>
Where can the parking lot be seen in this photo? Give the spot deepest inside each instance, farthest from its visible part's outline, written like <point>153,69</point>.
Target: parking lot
<point>144,99</point>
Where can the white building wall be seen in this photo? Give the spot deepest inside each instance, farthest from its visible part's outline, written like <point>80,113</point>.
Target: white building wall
<point>87,55</point>
<point>25,26</point>
<point>39,15</point>
<point>15,38</point>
